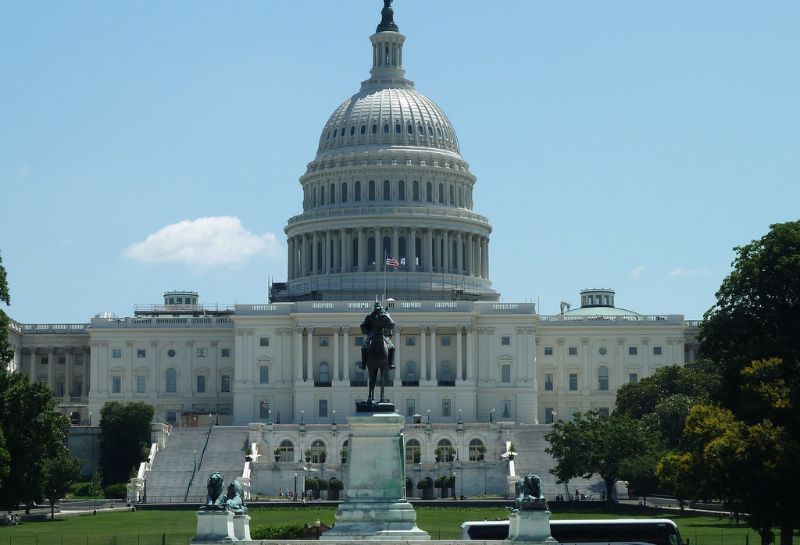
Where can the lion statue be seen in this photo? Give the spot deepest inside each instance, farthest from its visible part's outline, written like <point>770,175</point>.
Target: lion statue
<point>529,494</point>
<point>215,498</point>
<point>234,499</point>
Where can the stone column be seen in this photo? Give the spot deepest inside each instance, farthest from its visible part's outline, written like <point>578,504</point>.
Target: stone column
<point>378,245</point>
<point>344,262</point>
<point>314,254</point>
<point>362,249</point>
<point>68,363</point>
<point>346,355</point>
<point>290,262</point>
<point>423,366</point>
<point>411,250</point>
<point>131,376</point>
<point>447,262</point>
<point>459,254</point>
<point>470,354</point>
<point>336,373</point>
<point>298,354</point>
<point>310,354</point>
<point>51,370</point>
<point>459,369</point>
<point>468,244</point>
<point>301,240</point>
<point>427,251</point>
<point>396,244</point>
<point>434,372</point>
<point>484,258</point>
<point>32,370</point>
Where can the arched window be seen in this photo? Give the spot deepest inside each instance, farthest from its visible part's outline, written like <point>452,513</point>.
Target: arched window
<point>452,196</point>
<point>415,191</point>
<point>352,130</point>
<point>428,193</point>
<point>387,190</point>
<point>371,190</point>
<point>332,194</point>
<point>314,196</point>
<point>385,128</point>
<point>441,194</point>
<point>318,452</point>
<point>398,129</point>
<point>322,195</point>
<point>343,196</point>
<point>602,378</point>
<point>357,192</point>
<point>477,450</point>
<point>324,372</point>
<point>401,190</point>
<point>171,380</point>
<point>355,253</point>
<point>286,451</point>
<point>445,451</point>
<point>460,197</point>
<point>413,452</point>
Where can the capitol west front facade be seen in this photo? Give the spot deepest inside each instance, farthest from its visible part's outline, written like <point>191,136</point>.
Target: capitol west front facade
<point>388,179</point>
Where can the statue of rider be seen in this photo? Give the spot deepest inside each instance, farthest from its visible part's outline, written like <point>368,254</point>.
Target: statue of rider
<point>376,322</point>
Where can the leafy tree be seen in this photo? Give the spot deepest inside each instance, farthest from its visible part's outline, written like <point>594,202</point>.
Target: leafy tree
<point>60,471</point>
<point>639,399</point>
<point>5,459</point>
<point>124,438</point>
<point>603,445</point>
<point>33,431</point>
<point>5,296</point>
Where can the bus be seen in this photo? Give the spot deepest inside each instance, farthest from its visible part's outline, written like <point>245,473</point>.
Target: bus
<point>628,531</point>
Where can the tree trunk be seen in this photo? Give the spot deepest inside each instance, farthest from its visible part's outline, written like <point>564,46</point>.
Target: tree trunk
<point>787,529</point>
<point>52,510</point>
<point>611,498</point>
<point>767,537</point>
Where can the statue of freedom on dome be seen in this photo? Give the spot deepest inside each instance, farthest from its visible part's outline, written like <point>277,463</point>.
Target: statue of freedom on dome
<point>387,18</point>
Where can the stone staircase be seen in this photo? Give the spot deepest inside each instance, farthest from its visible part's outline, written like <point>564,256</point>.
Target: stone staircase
<point>225,453</point>
<point>171,472</point>
<point>530,444</point>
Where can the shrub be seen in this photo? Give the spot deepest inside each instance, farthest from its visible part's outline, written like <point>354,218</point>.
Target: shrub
<point>336,484</point>
<point>322,484</point>
<point>284,531</point>
<point>116,491</point>
<point>312,484</point>
<point>424,484</point>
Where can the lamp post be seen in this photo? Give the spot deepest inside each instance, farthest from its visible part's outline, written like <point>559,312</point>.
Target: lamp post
<point>195,459</point>
<point>454,485</point>
<point>90,419</point>
<point>295,486</point>
<point>317,525</point>
<point>491,415</point>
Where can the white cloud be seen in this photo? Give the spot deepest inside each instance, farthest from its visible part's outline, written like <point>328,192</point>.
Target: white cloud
<point>678,272</point>
<point>205,243</point>
<point>637,271</point>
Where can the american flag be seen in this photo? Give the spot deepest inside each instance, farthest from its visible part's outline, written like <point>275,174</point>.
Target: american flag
<point>392,262</point>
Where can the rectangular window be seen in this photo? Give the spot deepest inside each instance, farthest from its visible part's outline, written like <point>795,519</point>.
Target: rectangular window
<point>263,341</point>
<point>656,350</point>
<point>116,352</point>
<point>411,407</point>
<point>411,341</point>
<point>505,340</point>
<point>446,408</point>
<point>633,377</point>
<point>43,360</point>
<point>323,341</point>
<point>225,383</point>
<point>140,384</point>
<point>548,382</point>
<point>573,382</point>
<point>263,374</point>
<point>323,408</point>
<point>225,352</point>
<point>548,415</point>
<point>505,409</point>
<point>77,386</point>
<point>201,352</point>
<point>632,350</point>
<point>116,384</point>
<point>78,359</point>
<point>548,350</point>
<point>505,373</point>
<point>62,360</point>
<point>141,353</point>
<point>573,350</point>
<point>445,340</point>
<point>201,384</point>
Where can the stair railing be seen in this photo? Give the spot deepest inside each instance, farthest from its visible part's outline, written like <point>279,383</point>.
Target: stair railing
<point>197,464</point>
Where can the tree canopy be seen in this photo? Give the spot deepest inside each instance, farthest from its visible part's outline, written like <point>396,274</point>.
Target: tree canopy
<point>604,445</point>
<point>124,438</point>
<point>60,470</point>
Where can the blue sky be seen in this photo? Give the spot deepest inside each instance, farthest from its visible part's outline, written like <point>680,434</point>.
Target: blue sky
<point>620,144</point>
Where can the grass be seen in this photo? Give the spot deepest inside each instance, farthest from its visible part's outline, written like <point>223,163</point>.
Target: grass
<point>147,527</point>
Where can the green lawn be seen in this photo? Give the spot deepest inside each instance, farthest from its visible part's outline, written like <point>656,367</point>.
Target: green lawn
<point>147,527</point>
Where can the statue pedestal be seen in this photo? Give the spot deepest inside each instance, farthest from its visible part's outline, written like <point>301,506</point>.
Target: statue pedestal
<point>215,526</point>
<point>375,508</point>
<point>241,526</point>
<point>529,527</point>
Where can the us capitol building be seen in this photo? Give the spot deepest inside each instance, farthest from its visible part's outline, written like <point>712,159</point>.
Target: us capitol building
<point>388,180</point>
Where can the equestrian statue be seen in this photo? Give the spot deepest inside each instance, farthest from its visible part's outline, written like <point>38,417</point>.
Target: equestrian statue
<point>377,352</point>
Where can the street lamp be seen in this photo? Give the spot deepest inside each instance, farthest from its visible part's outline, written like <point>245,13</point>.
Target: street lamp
<point>491,415</point>
<point>195,459</point>
<point>90,419</point>
<point>454,485</point>
<point>316,525</point>
<point>295,486</point>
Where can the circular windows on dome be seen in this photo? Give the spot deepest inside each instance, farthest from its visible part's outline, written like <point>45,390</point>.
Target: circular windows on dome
<point>603,350</point>
<point>171,353</point>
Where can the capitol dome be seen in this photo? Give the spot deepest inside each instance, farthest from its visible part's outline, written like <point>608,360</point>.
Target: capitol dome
<point>388,116</point>
<point>387,199</point>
